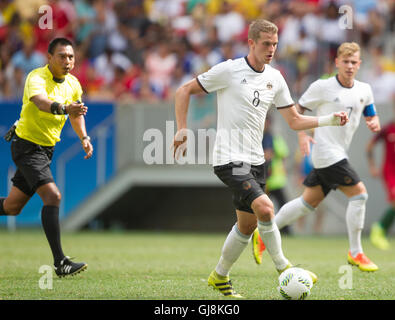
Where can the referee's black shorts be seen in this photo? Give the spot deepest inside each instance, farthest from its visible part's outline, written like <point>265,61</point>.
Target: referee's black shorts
<point>246,181</point>
<point>329,178</point>
<point>33,165</point>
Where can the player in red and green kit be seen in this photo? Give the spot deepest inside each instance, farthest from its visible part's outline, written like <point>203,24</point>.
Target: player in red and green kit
<point>380,229</point>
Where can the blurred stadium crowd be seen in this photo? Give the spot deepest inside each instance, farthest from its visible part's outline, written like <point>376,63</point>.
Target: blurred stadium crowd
<point>143,50</point>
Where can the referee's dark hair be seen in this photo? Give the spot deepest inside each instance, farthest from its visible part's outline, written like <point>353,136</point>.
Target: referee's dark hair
<point>56,41</point>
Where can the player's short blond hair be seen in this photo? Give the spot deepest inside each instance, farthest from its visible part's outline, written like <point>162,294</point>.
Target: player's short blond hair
<point>261,25</point>
<point>348,49</point>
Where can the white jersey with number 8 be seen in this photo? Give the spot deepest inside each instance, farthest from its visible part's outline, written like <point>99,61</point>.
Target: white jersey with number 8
<point>244,97</point>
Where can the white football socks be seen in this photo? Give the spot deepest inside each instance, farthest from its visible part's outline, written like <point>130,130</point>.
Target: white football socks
<point>270,235</point>
<point>355,218</point>
<point>234,245</point>
<point>292,211</point>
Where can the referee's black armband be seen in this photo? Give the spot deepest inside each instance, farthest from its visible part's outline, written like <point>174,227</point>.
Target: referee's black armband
<point>55,107</point>
<point>58,108</point>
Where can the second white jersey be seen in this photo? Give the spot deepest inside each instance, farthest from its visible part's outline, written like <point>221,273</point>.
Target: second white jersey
<point>327,96</point>
<point>244,97</point>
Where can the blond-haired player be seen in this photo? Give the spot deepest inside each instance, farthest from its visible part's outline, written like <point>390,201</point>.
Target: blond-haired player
<point>246,88</point>
<point>332,169</point>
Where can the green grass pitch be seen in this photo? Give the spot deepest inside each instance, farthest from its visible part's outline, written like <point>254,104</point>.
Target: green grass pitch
<point>163,265</point>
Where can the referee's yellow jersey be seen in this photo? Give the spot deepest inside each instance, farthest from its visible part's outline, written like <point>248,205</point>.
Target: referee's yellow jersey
<point>41,127</point>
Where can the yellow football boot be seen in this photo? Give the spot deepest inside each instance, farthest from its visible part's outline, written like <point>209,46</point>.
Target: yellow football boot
<point>223,285</point>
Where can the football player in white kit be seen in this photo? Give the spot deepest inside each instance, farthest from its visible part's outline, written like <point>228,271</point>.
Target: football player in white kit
<point>329,153</point>
<point>246,88</point>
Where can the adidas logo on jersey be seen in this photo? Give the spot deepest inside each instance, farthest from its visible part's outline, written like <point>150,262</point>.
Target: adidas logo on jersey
<point>244,81</point>
<point>337,99</point>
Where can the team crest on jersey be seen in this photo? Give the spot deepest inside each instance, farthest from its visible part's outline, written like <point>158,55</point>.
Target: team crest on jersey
<point>361,100</point>
<point>269,86</point>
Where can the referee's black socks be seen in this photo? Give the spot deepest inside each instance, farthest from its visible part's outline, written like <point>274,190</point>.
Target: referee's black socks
<point>50,222</point>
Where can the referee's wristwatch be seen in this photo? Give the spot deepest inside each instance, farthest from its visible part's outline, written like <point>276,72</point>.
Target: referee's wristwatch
<point>85,138</point>
<point>64,109</point>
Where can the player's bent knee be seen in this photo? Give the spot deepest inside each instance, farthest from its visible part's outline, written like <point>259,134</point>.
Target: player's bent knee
<point>264,210</point>
<point>12,208</point>
<point>312,197</point>
<point>52,198</point>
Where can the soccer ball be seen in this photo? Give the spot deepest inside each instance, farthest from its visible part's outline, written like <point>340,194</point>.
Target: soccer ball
<point>295,284</point>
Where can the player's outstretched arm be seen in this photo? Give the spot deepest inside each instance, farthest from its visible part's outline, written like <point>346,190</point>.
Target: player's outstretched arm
<point>46,105</point>
<point>182,98</point>
<point>297,121</point>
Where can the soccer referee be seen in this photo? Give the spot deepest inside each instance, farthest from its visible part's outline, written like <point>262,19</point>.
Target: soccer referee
<point>51,95</point>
